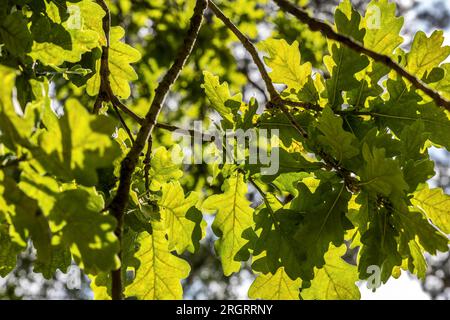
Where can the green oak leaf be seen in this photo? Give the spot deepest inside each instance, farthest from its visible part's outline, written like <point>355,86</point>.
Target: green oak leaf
<point>276,286</point>
<point>25,218</point>
<point>335,280</point>
<point>344,62</point>
<point>234,215</point>
<point>426,53</point>
<point>416,262</point>
<point>382,35</point>
<point>15,35</point>
<point>382,27</point>
<point>121,55</point>
<point>435,204</point>
<point>77,214</point>
<point>285,61</point>
<point>334,139</point>
<point>402,109</point>
<point>220,97</point>
<point>100,286</point>
<point>8,248</point>
<point>443,86</point>
<point>381,175</point>
<point>163,168</point>
<point>418,233</point>
<point>380,247</point>
<point>16,129</point>
<point>76,144</point>
<point>273,244</point>
<point>86,33</point>
<point>160,272</point>
<point>417,166</point>
<point>60,259</point>
<point>417,226</point>
<point>324,222</point>
<point>178,215</point>
<point>76,221</point>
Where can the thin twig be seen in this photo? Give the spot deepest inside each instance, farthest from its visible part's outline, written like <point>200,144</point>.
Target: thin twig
<point>299,104</point>
<point>245,72</point>
<point>129,163</point>
<point>117,103</point>
<point>105,86</point>
<point>147,162</point>
<point>191,132</point>
<point>293,121</point>
<point>123,123</point>
<point>248,45</point>
<point>317,25</point>
<point>105,93</point>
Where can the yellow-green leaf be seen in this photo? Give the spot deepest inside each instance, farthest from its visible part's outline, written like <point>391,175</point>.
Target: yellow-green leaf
<point>182,226</point>
<point>220,97</point>
<point>436,205</point>
<point>234,215</point>
<point>121,55</point>
<point>160,272</point>
<point>276,286</point>
<point>426,53</point>
<point>336,280</point>
<point>285,61</point>
<point>85,33</point>
<point>382,27</point>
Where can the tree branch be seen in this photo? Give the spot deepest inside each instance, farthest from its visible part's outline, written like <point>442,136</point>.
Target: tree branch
<point>129,163</point>
<point>124,125</point>
<point>191,132</point>
<point>317,25</point>
<point>118,104</point>
<point>248,45</point>
<point>105,93</point>
<point>105,86</point>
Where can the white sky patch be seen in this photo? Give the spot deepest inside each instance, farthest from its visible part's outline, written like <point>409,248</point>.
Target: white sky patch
<point>403,288</point>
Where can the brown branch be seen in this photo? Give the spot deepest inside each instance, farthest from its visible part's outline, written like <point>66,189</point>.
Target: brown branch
<point>124,124</point>
<point>147,162</point>
<point>248,45</point>
<point>317,25</point>
<point>105,86</point>
<point>118,104</point>
<point>129,163</point>
<point>245,72</point>
<point>191,132</point>
<point>105,93</point>
<point>293,121</point>
<point>299,104</point>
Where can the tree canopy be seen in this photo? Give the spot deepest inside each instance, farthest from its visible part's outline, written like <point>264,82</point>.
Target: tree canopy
<point>90,102</point>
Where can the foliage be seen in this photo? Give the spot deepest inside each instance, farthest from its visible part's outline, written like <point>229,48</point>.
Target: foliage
<point>352,177</point>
